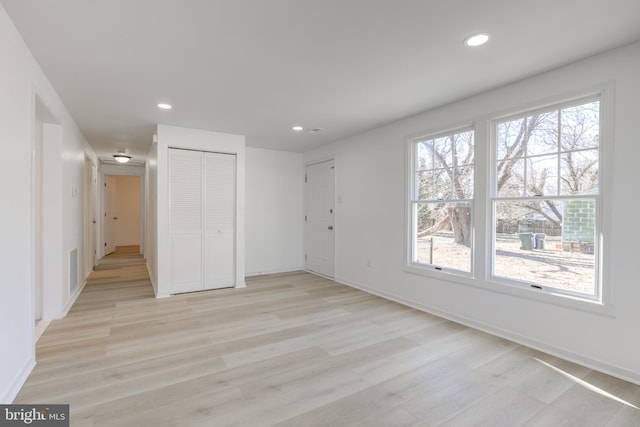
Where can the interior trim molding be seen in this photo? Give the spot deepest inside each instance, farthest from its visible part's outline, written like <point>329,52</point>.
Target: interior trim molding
<point>12,391</point>
<point>41,326</point>
<point>276,271</point>
<point>73,298</point>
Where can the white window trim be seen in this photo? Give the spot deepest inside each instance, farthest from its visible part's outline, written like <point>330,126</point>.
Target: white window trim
<point>481,205</point>
<point>493,196</point>
<point>410,226</point>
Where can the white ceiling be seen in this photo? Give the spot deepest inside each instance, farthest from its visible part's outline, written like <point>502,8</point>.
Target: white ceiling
<point>256,67</point>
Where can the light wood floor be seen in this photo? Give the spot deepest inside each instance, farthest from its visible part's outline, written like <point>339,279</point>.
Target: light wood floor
<point>298,350</point>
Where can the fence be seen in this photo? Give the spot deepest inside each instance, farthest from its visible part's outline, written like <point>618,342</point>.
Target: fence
<point>533,226</point>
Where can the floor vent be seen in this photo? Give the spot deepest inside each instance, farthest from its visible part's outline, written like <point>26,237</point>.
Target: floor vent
<point>73,270</point>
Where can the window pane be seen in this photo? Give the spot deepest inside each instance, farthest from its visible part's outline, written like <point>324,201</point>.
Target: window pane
<point>581,126</point>
<point>463,148</point>
<point>509,139</point>
<point>549,243</point>
<point>441,185</point>
<point>579,172</point>
<point>433,185</point>
<point>543,134</point>
<point>510,178</point>
<point>542,176</point>
<point>424,185</point>
<point>424,155</point>
<point>443,235</point>
<point>463,183</point>
<point>442,152</point>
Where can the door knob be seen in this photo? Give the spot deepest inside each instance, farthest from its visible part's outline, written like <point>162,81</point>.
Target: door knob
<point>115,217</point>
<point>330,227</point>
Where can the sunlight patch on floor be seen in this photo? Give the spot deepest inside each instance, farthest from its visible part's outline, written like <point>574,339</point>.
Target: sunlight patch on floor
<point>588,386</point>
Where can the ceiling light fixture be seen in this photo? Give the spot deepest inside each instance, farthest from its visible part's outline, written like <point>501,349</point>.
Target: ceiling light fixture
<point>297,128</point>
<point>164,106</point>
<point>121,157</point>
<point>476,40</point>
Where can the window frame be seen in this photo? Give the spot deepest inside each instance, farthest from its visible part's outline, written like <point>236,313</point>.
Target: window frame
<point>493,198</point>
<point>484,158</point>
<point>413,201</point>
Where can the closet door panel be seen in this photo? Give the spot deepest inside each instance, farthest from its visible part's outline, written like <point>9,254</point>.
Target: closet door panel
<point>219,268</point>
<point>219,220</point>
<point>186,263</point>
<point>186,205</point>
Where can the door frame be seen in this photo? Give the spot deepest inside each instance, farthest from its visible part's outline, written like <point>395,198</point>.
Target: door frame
<point>47,288</point>
<point>90,212</point>
<point>122,170</point>
<point>109,224</point>
<point>336,200</point>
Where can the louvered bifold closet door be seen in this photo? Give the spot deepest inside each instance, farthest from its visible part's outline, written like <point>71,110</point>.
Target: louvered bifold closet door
<point>219,219</point>
<point>185,201</point>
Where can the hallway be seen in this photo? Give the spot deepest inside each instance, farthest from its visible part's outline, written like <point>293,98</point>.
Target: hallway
<point>123,271</point>
<point>70,352</point>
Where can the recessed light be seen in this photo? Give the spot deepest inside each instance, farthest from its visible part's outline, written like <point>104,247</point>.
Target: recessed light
<point>164,106</point>
<point>476,40</point>
<point>297,128</point>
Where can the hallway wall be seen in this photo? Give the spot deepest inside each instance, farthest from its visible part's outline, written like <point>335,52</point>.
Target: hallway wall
<point>21,82</point>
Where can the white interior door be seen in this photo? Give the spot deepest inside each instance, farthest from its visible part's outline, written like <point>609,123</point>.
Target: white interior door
<point>219,217</point>
<point>185,201</point>
<point>110,217</point>
<point>319,218</point>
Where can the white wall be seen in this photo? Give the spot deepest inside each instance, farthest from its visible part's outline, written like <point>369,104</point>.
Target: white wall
<point>275,210</point>
<point>151,207</point>
<point>177,137</point>
<point>127,210</point>
<point>21,83</point>
<point>370,221</point>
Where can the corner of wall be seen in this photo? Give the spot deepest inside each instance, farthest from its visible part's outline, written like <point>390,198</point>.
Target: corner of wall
<point>7,396</point>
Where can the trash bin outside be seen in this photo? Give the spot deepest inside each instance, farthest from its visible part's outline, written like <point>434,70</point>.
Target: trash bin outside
<point>526,240</point>
<point>539,240</point>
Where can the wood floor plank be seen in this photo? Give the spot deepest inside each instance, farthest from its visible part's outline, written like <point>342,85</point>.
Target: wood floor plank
<point>504,408</point>
<point>297,349</point>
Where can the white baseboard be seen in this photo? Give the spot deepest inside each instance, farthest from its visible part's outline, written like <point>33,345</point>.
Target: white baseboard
<point>154,284</point>
<point>152,278</point>
<point>590,363</point>
<point>41,326</point>
<point>12,391</point>
<point>73,298</point>
<point>330,278</point>
<point>277,271</point>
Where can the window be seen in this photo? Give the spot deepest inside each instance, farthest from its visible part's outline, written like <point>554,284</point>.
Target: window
<point>546,199</point>
<point>440,201</point>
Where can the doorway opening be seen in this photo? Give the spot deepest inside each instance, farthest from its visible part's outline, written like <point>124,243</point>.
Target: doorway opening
<point>122,214</point>
<point>46,217</point>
